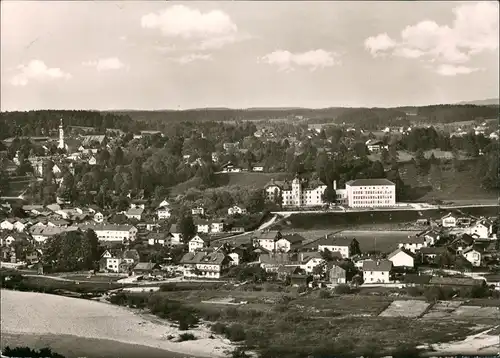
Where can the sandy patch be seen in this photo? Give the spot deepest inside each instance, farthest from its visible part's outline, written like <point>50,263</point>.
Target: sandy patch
<point>409,308</point>
<point>442,309</point>
<point>481,343</point>
<point>37,313</point>
<point>478,311</point>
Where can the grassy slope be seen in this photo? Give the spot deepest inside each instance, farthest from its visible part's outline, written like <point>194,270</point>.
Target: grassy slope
<point>247,179</point>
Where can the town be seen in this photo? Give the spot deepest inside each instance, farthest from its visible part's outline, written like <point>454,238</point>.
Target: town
<point>310,208</point>
<point>249,179</point>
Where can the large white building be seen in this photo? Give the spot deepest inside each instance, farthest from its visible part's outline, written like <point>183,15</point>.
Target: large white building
<point>298,193</point>
<point>370,193</point>
<point>112,232</point>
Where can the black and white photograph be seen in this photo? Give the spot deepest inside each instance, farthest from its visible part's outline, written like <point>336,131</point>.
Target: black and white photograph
<point>249,179</point>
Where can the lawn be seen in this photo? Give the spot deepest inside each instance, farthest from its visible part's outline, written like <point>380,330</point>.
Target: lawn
<point>93,278</point>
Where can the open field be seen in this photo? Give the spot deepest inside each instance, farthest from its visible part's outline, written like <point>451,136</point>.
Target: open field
<point>36,313</point>
<point>93,278</point>
<point>408,308</point>
<point>384,241</point>
<point>341,221</point>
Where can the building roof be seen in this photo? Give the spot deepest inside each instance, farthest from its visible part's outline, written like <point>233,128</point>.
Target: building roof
<point>135,211</point>
<point>293,238</point>
<point>412,239</point>
<point>107,227</point>
<point>379,265</point>
<point>288,269</point>
<point>131,254</point>
<point>274,258</point>
<point>332,240</point>
<point>369,182</point>
<point>268,235</point>
<point>307,256</point>
<point>397,251</point>
<point>173,229</point>
<point>212,258</point>
<point>472,248</point>
<point>433,250</point>
<point>146,266</point>
<point>88,139</point>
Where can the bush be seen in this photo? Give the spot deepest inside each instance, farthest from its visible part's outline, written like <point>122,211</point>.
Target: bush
<point>414,291</point>
<point>28,352</point>
<point>235,333</point>
<point>324,294</point>
<point>187,337</point>
<point>342,289</point>
<point>435,293</point>
<point>219,328</point>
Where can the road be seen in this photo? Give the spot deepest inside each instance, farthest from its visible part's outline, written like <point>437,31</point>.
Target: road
<point>265,225</point>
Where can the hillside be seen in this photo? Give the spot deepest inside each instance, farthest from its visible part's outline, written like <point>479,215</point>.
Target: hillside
<point>248,179</point>
<point>484,102</point>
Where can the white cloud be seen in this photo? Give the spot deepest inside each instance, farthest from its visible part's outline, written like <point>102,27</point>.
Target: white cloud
<point>453,70</point>
<point>287,61</point>
<point>183,60</point>
<point>106,64</point>
<point>379,43</point>
<point>475,29</point>
<point>182,21</point>
<point>209,30</point>
<point>38,71</point>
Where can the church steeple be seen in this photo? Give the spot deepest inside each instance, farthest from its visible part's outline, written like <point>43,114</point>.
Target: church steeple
<point>61,136</point>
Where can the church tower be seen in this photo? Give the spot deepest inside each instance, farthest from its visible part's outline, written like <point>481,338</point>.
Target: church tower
<point>297,191</point>
<point>61,136</point>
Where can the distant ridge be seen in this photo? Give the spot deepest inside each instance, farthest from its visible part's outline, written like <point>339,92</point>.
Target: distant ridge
<point>483,102</point>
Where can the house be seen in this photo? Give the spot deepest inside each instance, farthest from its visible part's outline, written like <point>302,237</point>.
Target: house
<point>7,240</point>
<point>412,280</point>
<point>57,223</point>
<point>159,238</point>
<point>237,230</point>
<point>334,243</point>
<point>258,168</point>
<point>460,243</point>
<point>310,260</point>
<point>482,229</point>
<point>267,240</point>
<point>163,212</point>
<point>20,225</point>
<point>164,204</point>
<point>431,237</point>
<point>145,268</point>
<point>374,145</point>
<point>377,271</point>
<point>198,211</point>
<point>98,217</point>
<point>235,257</point>
<point>493,279</point>
<point>413,243</point>
<point>236,210</point>
<point>289,242</point>
<point>217,226</point>
<point>473,255</point>
<point>134,213</point>
<point>204,264</point>
<point>176,235</point>
<point>196,243</point>
<point>230,168</point>
<point>53,207</point>
<point>402,258</point>
<point>335,274</point>
<point>270,262</point>
<point>41,234</point>
<point>33,209</point>
<point>284,272</point>
<point>7,224</point>
<point>429,254</point>
<point>92,160</point>
<point>202,226</point>
<point>109,262</point>
<point>449,220</point>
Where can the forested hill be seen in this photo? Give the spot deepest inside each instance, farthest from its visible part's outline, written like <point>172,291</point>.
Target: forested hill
<point>366,117</point>
<point>43,122</point>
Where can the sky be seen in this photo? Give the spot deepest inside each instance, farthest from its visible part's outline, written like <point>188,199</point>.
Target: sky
<point>178,55</point>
